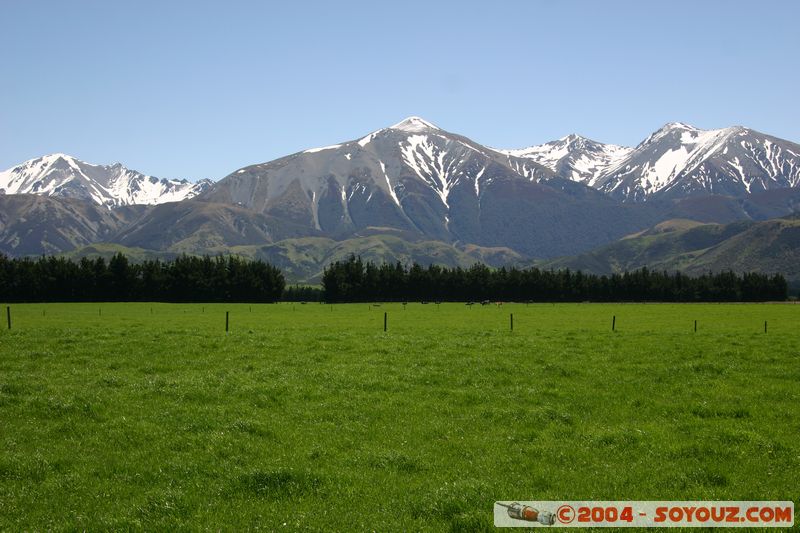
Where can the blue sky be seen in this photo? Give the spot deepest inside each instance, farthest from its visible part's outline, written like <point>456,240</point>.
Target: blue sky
<point>199,89</point>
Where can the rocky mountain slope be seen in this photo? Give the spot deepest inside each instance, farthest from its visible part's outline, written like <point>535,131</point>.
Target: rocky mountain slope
<point>33,225</point>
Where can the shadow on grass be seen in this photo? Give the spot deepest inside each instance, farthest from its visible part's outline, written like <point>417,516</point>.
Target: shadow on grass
<point>276,484</point>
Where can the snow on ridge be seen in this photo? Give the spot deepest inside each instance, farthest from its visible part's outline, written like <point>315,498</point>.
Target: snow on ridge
<point>679,157</point>
<point>694,147</point>
<point>111,186</point>
<point>411,124</point>
<point>679,125</point>
<point>320,149</point>
<point>364,141</point>
<point>581,159</point>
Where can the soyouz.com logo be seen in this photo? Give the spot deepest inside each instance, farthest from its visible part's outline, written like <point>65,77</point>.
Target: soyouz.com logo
<point>643,514</point>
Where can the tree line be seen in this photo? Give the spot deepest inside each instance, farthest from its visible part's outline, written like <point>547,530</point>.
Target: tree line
<point>184,279</point>
<point>232,278</point>
<point>354,280</point>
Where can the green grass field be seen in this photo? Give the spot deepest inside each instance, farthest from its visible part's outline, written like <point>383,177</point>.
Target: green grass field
<point>310,417</point>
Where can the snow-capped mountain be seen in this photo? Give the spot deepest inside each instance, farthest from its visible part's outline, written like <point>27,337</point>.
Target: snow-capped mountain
<point>680,160</point>
<point>574,157</point>
<point>676,161</point>
<point>417,178</point>
<point>409,174</point>
<point>65,176</point>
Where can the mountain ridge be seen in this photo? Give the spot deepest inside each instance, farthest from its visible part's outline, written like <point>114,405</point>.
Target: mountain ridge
<point>112,185</point>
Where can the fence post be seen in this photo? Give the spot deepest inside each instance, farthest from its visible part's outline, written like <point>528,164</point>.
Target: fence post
<point>226,321</point>
<point>385,318</point>
<point>614,323</point>
<point>8,314</point>
<point>511,319</point>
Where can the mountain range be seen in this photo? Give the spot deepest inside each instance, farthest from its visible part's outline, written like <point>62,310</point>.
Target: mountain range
<point>411,191</point>
<point>64,176</point>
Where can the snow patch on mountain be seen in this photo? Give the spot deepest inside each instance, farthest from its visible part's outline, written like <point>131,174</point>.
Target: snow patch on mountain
<point>428,162</point>
<point>389,184</point>
<point>322,148</point>
<point>364,141</point>
<point>478,182</point>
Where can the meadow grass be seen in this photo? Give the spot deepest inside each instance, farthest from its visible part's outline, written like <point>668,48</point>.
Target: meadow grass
<point>310,417</point>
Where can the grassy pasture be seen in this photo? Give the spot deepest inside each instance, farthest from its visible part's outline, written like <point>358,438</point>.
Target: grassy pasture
<point>310,417</point>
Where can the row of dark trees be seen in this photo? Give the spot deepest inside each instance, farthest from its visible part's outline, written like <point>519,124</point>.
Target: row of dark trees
<point>353,280</point>
<point>231,278</point>
<point>184,279</point>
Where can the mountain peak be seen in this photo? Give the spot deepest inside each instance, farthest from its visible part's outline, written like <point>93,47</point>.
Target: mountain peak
<point>676,126</point>
<point>572,137</point>
<point>668,129</point>
<point>414,125</point>
<point>52,158</point>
